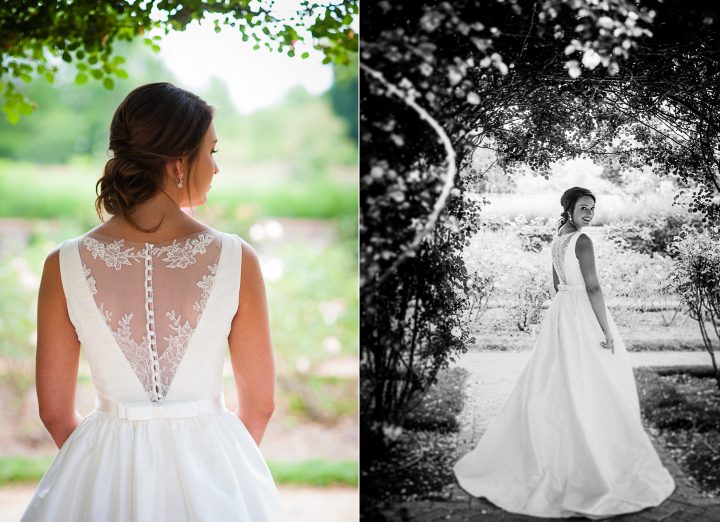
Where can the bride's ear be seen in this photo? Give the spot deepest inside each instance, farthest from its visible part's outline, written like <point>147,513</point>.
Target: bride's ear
<point>179,166</point>
<point>171,167</point>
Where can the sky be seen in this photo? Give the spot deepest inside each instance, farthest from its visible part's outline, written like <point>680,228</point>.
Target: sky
<point>255,78</point>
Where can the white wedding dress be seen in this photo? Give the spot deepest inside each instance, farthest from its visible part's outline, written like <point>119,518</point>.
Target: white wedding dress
<point>569,440</point>
<point>160,445</point>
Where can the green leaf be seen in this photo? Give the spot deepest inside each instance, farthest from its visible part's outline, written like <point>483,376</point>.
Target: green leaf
<point>27,108</point>
<point>108,83</point>
<point>121,73</point>
<point>305,55</point>
<point>12,115</point>
<point>49,77</point>
<point>81,78</point>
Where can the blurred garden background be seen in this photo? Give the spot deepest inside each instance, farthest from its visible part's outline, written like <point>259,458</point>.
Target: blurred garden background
<point>287,184</point>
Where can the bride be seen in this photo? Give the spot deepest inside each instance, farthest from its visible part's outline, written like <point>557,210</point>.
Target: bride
<point>569,440</point>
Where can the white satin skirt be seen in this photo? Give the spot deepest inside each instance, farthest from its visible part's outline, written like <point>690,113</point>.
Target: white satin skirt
<point>569,440</point>
<point>152,462</point>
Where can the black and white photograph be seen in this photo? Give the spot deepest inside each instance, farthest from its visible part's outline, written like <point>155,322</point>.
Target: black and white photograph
<point>539,260</point>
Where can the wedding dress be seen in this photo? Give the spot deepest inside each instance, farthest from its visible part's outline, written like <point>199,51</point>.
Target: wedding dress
<point>153,320</point>
<point>569,440</point>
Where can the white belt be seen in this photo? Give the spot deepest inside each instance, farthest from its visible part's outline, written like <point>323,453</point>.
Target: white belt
<point>567,288</point>
<point>145,410</point>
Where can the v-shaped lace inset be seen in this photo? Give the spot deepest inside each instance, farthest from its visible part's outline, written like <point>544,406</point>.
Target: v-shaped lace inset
<point>559,248</point>
<point>151,298</point>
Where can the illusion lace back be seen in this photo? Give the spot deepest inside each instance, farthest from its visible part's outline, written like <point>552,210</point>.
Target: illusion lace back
<point>559,249</point>
<point>151,296</point>
<point>153,321</point>
<point>569,440</point>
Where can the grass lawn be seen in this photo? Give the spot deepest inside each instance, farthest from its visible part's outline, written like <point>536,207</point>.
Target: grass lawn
<point>417,465</point>
<point>314,472</point>
<point>48,192</point>
<point>682,404</point>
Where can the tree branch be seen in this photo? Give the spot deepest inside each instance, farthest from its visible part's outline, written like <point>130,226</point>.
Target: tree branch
<point>450,174</point>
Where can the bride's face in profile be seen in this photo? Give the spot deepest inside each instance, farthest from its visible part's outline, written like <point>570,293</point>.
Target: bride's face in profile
<point>205,169</point>
<point>584,211</point>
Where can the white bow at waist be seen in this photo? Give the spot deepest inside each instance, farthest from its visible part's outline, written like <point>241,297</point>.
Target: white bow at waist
<point>567,288</point>
<point>145,410</point>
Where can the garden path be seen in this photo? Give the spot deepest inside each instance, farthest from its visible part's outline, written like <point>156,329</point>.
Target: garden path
<point>492,377</point>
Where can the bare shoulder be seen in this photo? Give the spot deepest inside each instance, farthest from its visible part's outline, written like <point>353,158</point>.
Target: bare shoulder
<point>51,286</point>
<point>583,243</point>
<point>51,269</point>
<point>250,259</point>
<point>252,297</point>
<point>251,281</point>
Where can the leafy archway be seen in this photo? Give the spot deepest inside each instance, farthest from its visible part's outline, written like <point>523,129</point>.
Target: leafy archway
<point>535,81</point>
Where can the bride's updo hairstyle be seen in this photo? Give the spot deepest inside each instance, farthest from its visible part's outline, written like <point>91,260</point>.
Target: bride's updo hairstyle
<point>154,124</point>
<point>568,200</point>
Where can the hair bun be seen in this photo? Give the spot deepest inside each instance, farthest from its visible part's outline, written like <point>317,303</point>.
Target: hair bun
<point>156,123</point>
<point>120,187</point>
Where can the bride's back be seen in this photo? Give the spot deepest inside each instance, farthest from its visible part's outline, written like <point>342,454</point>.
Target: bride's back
<point>140,310</point>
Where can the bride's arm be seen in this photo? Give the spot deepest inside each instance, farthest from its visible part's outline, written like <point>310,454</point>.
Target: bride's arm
<point>556,280</point>
<point>57,357</point>
<point>586,255</point>
<point>251,352</point>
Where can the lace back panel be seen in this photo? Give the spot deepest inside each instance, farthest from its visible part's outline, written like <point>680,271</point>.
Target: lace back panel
<point>151,296</point>
<point>559,249</point>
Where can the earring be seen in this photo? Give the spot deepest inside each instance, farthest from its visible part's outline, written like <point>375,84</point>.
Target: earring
<point>179,184</point>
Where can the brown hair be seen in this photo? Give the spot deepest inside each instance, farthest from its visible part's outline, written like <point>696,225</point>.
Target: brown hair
<point>154,124</point>
<point>568,200</point>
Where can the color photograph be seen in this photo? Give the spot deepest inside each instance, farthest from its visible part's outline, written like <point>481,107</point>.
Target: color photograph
<point>178,261</point>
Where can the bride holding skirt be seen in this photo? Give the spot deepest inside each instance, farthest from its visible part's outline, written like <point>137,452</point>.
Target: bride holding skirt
<point>569,441</point>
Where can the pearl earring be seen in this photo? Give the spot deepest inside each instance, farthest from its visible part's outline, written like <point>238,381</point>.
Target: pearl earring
<point>179,184</point>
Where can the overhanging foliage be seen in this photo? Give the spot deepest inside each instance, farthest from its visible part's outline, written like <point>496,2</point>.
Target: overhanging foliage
<point>83,33</point>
